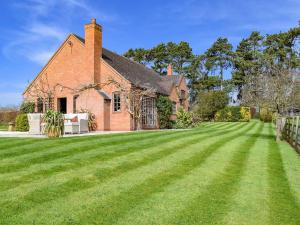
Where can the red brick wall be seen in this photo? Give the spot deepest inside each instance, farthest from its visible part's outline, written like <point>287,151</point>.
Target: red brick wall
<point>175,94</point>
<point>76,65</point>
<point>118,120</point>
<point>67,68</point>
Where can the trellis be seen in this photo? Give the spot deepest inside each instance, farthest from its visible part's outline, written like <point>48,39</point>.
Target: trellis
<point>149,113</point>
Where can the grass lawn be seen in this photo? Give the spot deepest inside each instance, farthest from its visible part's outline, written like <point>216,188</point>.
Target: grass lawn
<point>220,173</point>
<point>3,127</point>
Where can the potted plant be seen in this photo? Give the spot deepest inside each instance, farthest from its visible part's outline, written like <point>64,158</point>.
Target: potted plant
<point>54,124</point>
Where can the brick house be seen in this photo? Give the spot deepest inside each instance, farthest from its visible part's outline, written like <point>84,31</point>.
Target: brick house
<point>83,64</point>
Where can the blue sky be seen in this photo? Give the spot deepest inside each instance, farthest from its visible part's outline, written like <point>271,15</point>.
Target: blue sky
<point>31,30</point>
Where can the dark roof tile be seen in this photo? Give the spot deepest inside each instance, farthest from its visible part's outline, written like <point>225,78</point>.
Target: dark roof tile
<point>138,74</point>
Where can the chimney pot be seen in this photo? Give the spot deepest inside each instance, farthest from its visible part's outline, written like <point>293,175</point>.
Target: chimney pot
<point>93,21</point>
<point>170,70</point>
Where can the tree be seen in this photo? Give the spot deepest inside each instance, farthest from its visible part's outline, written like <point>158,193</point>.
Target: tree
<point>199,78</point>
<point>159,59</point>
<point>139,55</point>
<point>219,57</point>
<point>247,60</point>
<point>180,56</point>
<point>195,73</point>
<point>163,54</point>
<point>42,91</point>
<point>208,103</point>
<point>273,89</point>
<point>281,48</point>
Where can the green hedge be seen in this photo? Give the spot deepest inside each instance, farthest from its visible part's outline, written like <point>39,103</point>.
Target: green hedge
<point>22,122</point>
<point>265,115</point>
<point>164,110</point>
<point>233,114</point>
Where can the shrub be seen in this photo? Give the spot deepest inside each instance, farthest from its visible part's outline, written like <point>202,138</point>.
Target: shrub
<point>164,110</point>
<point>208,103</point>
<point>233,114</point>
<point>27,107</point>
<point>54,123</point>
<point>265,115</point>
<point>245,114</point>
<point>184,119</point>
<point>22,122</point>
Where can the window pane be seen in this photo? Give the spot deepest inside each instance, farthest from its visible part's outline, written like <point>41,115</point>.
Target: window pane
<point>40,105</point>
<point>117,102</point>
<point>174,107</point>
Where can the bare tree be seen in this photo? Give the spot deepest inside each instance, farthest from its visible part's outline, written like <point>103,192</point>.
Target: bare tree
<point>44,92</point>
<point>272,88</point>
<point>133,98</point>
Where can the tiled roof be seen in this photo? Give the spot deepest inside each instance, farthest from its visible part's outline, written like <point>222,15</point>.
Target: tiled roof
<point>138,74</point>
<point>174,78</point>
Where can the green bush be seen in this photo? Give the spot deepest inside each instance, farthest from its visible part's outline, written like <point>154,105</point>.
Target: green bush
<point>265,115</point>
<point>208,103</point>
<point>233,114</point>
<point>54,124</point>
<point>22,122</point>
<point>164,110</point>
<point>27,107</point>
<point>184,119</point>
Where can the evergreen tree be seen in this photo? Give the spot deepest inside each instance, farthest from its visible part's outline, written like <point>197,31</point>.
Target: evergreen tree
<point>219,57</point>
<point>247,61</point>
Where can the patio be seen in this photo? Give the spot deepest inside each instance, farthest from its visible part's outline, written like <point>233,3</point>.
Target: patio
<point>17,134</point>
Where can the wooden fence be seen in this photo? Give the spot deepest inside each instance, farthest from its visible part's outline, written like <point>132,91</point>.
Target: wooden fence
<point>291,131</point>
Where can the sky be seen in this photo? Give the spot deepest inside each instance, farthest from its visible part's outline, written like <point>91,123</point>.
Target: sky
<point>32,30</point>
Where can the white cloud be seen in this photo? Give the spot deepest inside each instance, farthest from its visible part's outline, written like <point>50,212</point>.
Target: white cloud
<point>42,32</point>
<point>40,57</point>
<point>36,42</point>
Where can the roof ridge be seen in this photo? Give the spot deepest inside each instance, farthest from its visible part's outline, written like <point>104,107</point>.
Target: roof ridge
<point>146,75</point>
<point>134,62</point>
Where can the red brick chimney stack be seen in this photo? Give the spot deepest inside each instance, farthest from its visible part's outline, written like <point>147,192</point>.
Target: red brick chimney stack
<point>93,46</point>
<point>170,70</point>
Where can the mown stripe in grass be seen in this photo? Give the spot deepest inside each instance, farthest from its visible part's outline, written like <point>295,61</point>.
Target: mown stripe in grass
<point>11,143</point>
<point>25,145</point>
<point>78,149</point>
<point>77,184</point>
<point>120,204</point>
<point>12,184</point>
<point>213,204</point>
<point>50,144</point>
<point>283,206</point>
<point>64,150</point>
<point>101,157</point>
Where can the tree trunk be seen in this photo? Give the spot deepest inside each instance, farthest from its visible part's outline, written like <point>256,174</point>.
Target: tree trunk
<point>138,125</point>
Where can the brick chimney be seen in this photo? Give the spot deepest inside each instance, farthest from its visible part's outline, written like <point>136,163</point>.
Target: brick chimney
<point>170,70</point>
<point>93,50</point>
